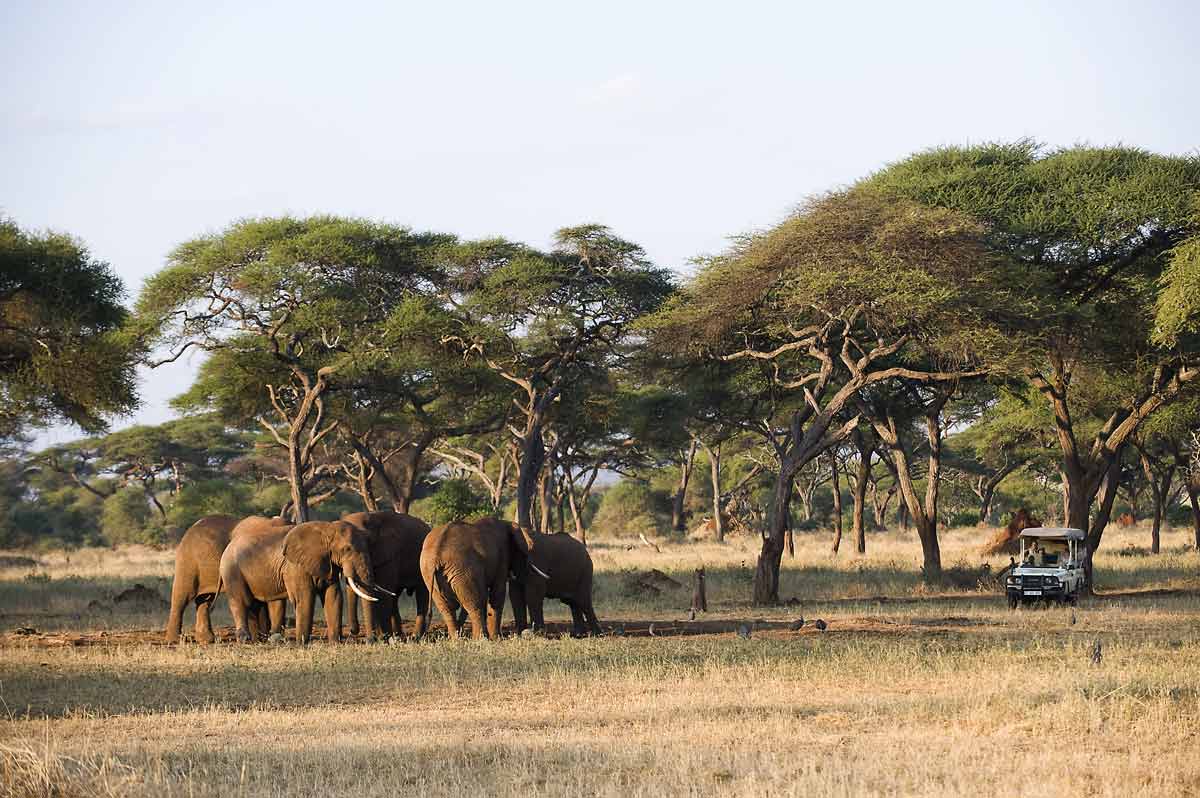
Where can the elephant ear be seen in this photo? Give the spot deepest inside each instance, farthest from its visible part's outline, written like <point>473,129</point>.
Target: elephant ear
<point>521,538</point>
<point>308,546</point>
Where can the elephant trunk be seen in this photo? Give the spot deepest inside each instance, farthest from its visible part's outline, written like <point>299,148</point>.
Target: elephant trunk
<point>360,568</point>
<point>358,590</point>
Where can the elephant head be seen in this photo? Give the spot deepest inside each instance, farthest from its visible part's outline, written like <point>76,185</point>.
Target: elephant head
<point>317,548</point>
<point>523,546</point>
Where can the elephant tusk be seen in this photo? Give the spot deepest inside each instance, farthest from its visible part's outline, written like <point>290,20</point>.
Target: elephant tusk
<point>539,570</point>
<point>385,590</point>
<point>358,590</point>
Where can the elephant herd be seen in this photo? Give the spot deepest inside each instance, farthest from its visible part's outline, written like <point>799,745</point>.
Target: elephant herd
<point>466,567</point>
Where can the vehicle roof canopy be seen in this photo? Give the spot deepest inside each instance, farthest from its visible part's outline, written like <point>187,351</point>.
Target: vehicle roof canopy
<point>1059,533</point>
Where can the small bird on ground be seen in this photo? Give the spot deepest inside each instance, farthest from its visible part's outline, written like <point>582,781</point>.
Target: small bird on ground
<point>619,630</point>
<point>820,624</point>
<point>692,614</point>
<point>798,624</point>
<point>1096,652</point>
<point>1072,617</point>
<point>275,638</point>
<point>744,631</point>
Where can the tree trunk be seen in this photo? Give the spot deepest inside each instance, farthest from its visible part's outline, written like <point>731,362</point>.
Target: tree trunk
<point>881,507</point>
<point>714,463</point>
<point>545,492</point>
<point>1160,486</point>
<point>924,513</point>
<point>1108,494</point>
<point>766,574</point>
<point>533,455</point>
<point>678,524</point>
<point>1193,492</point>
<point>862,474</point>
<point>300,509</point>
<point>580,533</point>
<point>837,504</point>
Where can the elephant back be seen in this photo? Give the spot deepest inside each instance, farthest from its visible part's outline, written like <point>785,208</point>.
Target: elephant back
<point>198,555</point>
<point>258,525</point>
<point>392,537</point>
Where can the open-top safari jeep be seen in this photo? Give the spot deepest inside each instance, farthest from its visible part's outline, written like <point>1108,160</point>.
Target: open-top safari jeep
<point>1050,568</point>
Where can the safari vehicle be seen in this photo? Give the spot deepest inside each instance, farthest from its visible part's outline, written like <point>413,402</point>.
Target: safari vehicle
<point>1050,568</point>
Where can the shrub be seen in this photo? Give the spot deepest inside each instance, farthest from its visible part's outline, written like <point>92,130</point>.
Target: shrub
<point>453,499</point>
<point>630,508</point>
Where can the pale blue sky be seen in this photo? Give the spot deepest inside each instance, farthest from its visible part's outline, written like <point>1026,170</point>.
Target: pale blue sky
<point>138,125</point>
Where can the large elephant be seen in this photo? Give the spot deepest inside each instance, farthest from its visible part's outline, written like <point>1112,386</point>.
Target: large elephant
<point>466,564</point>
<point>298,563</point>
<point>197,574</point>
<point>394,542</point>
<point>198,571</point>
<point>571,565</point>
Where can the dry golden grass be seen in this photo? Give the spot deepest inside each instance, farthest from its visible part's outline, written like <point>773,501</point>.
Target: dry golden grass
<point>928,691</point>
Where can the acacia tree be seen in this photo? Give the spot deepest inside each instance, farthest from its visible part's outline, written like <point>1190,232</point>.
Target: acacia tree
<point>62,355</point>
<point>851,291</point>
<point>541,321</point>
<point>301,300</point>
<point>1113,234</point>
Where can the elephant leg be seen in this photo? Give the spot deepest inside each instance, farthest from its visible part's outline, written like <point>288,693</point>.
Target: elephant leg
<point>422,619</point>
<point>474,598</point>
<point>204,605</point>
<point>277,610</point>
<point>577,627</point>
<point>520,611</point>
<point>254,619</point>
<point>333,613</point>
<point>536,598</point>
<point>264,620</point>
<point>593,623</point>
<point>237,608</point>
<point>304,616</point>
<point>180,597</point>
<point>352,612</point>
<point>495,616</point>
<point>389,617</point>
<point>446,602</point>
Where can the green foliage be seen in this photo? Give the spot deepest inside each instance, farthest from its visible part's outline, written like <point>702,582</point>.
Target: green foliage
<point>128,518</point>
<point>63,356</point>
<point>454,499</point>
<point>210,497</point>
<point>630,508</point>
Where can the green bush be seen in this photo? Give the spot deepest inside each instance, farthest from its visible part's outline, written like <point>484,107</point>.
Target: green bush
<point>630,508</point>
<point>209,497</point>
<point>128,517</point>
<point>453,499</point>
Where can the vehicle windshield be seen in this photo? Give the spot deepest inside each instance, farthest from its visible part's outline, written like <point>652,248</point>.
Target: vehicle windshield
<point>1045,553</point>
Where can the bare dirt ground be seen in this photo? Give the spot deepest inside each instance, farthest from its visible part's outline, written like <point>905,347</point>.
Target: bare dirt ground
<point>908,690</point>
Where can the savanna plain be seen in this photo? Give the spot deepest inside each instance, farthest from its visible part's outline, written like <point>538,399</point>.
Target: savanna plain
<point>909,689</point>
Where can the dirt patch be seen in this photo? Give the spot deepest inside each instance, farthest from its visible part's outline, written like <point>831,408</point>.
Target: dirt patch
<point>648,583</point>
<point>140,597</point>
<point>731,628</point>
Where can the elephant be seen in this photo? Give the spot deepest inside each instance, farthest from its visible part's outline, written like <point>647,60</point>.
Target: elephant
<point>568,560</point>
<point>394,542</point>
<point>298,563</point>
<point>197,574</point>
<point>467,564</point>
